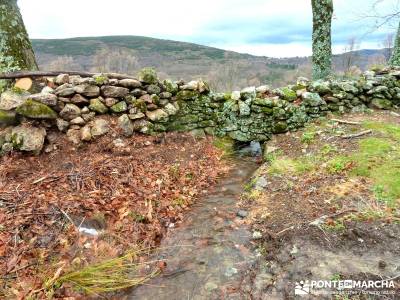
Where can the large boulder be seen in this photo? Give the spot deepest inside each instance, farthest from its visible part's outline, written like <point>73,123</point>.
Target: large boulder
<point>381,103</point>
<point>170,86</point>
<point>36,110</point>
<point>119,107</point>
<point>28,138</point>
<point>312,99</point>
<point>70,112</point>
<point>114,91</point>
<point>10,100</point>
<point>99,127</point>
<point>157,115</point>
<point>244,109</point>
<point>129,83</point>
<point>153,89</point>
<point>45,98</point>
<point>87,90</point>
<point>79,99</point>
<point>320,86</point>
<point>286,93</point>
<point>248,92</point>
<point>126,125</point>
<point>170,109</point>
<point>97,106</point>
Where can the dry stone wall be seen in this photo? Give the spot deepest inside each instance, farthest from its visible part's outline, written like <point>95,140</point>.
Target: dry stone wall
<point>74,105</point>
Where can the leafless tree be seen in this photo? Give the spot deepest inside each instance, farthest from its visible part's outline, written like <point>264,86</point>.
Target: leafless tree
<point>350,54</point>
<point>120,60</point>
<point>383,17</point>
<point>63,63</point>
<point>387,44</point>
<point>376,60</point>
<point>225,77</point>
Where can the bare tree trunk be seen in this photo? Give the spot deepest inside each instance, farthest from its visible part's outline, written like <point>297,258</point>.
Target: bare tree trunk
<point>322,48</point>
<point>395,58</point>
<point>15,47</point>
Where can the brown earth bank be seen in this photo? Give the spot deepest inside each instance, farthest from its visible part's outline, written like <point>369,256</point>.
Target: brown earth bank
<point>71,207</point>
<point>325,206</point>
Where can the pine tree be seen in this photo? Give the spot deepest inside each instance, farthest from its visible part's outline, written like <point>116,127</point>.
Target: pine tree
<point>321,38</point>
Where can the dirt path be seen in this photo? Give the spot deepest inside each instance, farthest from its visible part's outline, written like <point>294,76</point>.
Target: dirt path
<point>207,255</point>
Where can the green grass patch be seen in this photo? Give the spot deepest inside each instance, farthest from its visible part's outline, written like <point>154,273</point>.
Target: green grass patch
<point>285,165</point>
<point>328,149</point>
<point>336,226</point>
<point>308,137</point>
<point>270,157</point>
<point>387,129</point>
<point>337,164</point>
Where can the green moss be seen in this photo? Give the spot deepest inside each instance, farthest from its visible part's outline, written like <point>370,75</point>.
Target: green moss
<point>17,90</point>
<point>288,94</point>
<point>100,79</point>
<point>36,110</point>
<point>119,107</point>
<point>279,127</point>
<point>97,106</point>
<point>7,117</point>
<point>140,105</point>
<point>263,102</point>
<point>225,144</point>
<point>187,95</point>
<point>148,75</point>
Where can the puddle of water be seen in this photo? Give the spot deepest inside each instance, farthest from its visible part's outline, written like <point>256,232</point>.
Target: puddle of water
<point>207,253</point>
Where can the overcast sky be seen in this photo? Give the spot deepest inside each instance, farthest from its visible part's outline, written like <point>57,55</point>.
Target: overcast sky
<point>262,27</point>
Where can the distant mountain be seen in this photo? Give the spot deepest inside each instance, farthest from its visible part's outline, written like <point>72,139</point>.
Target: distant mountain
<point>226,70</point>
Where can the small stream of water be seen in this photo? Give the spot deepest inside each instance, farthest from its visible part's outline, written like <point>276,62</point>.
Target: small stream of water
<point>207,254</point>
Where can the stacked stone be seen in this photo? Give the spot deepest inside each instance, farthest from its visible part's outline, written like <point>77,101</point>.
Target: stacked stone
<point>75,105</point>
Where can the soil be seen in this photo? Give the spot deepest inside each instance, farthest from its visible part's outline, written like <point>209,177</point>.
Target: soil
<point>124,196</point>
<point>295,228</point>
<point>298,245</point>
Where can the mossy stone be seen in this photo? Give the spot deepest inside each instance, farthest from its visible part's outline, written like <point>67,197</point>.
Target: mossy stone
<point>280,127</point>
<point>98,106</point>
<point>7,117</point>
<point>36,110</point>
<point>187,95</point>
<point>288,94</point>
<point>381,103</point>
<point>119,107</point>
<point>263,102</point>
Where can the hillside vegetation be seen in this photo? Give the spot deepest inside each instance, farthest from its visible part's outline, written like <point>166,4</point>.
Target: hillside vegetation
<point>225,70</point>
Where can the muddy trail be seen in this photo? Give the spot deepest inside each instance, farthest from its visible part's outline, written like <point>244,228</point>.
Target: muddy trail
<point>207,254</point>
